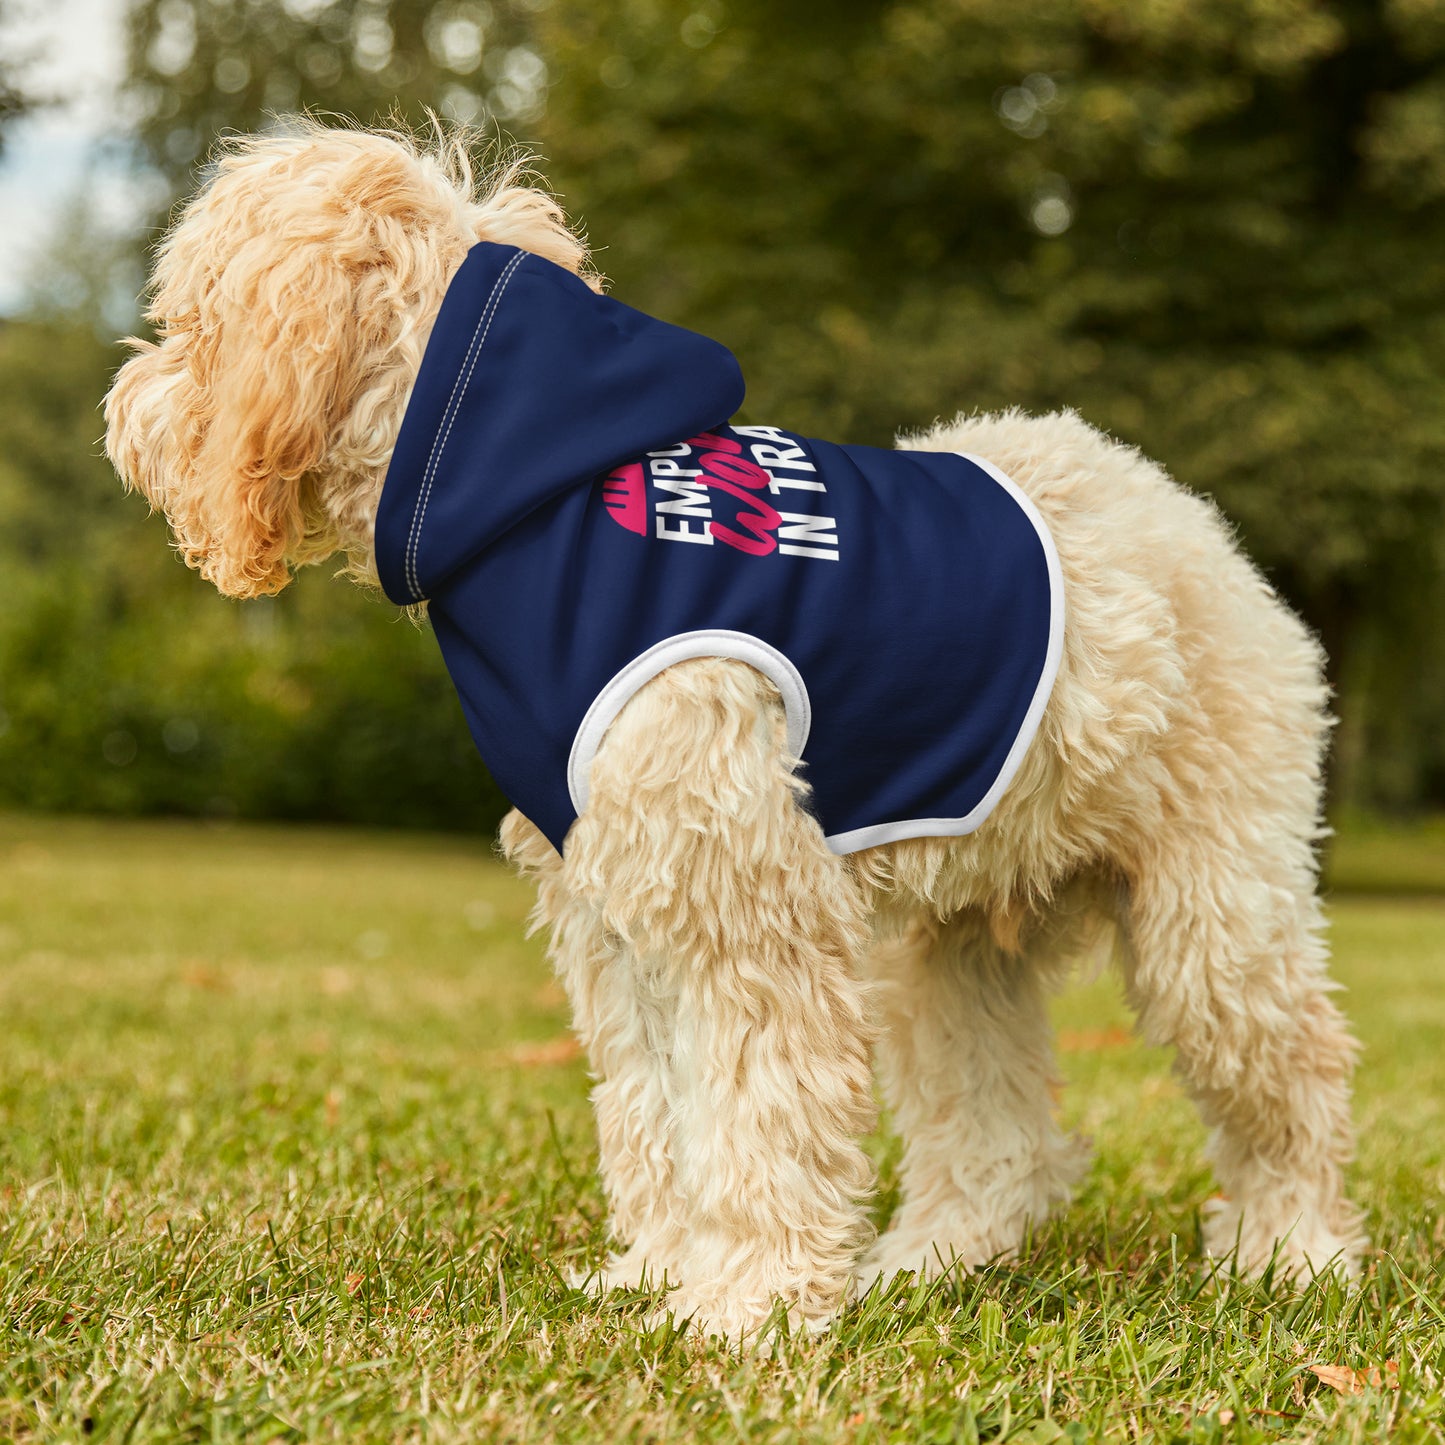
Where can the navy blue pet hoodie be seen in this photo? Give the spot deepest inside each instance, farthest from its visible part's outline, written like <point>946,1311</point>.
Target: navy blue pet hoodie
<point>568,494</point>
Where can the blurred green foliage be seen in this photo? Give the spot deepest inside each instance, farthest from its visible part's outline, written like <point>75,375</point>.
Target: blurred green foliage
<point>14,101</point>
<point>128,686</point>
<point>199,67</point>
<point>1214,227</point>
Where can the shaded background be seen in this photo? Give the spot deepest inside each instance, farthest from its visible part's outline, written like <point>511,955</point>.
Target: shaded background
<point>1214,227</point>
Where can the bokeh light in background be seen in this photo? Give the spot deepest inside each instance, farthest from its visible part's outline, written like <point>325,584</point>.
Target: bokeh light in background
<point>71,54</point>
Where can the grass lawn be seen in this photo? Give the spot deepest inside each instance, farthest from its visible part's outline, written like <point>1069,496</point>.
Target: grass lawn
<point>293,1146</point>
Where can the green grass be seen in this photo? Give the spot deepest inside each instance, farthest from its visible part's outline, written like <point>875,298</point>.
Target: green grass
<point>1370,855</point>
<point>284,1154</point>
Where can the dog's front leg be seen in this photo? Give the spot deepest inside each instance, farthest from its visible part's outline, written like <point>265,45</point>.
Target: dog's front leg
<point>743,930</point>
<point>622,1012</point>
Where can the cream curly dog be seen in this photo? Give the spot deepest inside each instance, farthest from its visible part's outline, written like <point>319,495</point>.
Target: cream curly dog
<point>730,974</point>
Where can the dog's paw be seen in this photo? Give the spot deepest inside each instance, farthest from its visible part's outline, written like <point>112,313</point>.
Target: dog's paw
<point>1299,1246</point>
<point>926,1262</point>
<point>634,1270</point>
<point>929,1255</point>
<point>964,1229</point>
<point>752,1324</point>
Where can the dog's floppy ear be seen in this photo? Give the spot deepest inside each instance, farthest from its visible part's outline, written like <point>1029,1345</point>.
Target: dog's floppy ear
<point>221,423</point>
<point>275,357</point>
<point>288,300</point>
<point>293,300</point>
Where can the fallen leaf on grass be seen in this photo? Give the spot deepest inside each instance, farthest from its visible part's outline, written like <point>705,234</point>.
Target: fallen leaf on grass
<point>1355,1382</point>
<point>550,1051</point>
<point>354,1283</point>
<point>220,1339</point>
<point>1082,1041</point>
<point>195,974</point>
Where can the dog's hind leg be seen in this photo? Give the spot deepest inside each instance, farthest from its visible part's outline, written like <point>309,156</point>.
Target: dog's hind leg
<point>966,1062</point>
<point>1227,964</point>
<point>700,860</point>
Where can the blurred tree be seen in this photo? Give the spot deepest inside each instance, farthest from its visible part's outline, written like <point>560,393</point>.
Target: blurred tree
<point>1214,228</point>
<point>128,685</point>
<point>58,496</point>
<point>14,100</point>
<point>125,683</point>
<point>202,67</point>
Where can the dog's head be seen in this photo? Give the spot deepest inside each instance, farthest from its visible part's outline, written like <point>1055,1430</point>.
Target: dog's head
<point>292,301</point>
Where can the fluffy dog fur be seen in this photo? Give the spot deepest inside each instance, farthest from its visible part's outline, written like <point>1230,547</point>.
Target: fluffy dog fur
<point>729,976</point>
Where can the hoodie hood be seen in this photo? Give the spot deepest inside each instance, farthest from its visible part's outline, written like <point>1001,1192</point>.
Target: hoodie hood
<point>531,385</point>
